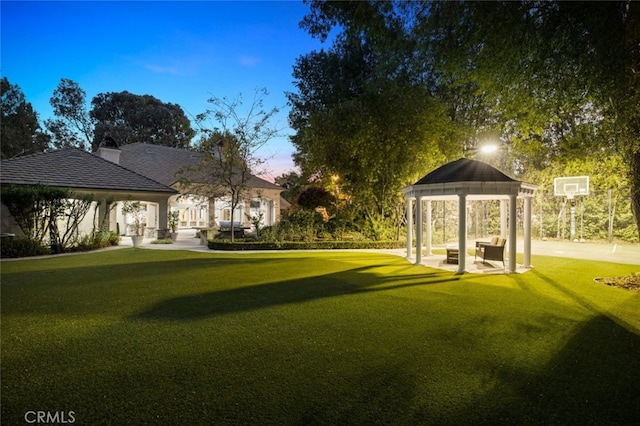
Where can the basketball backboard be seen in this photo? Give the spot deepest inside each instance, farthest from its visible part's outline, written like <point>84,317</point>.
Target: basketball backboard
<point>571,186</point>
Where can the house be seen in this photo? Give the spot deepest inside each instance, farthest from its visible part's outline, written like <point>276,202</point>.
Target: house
<point>162,163</point>
<point>142,172</point>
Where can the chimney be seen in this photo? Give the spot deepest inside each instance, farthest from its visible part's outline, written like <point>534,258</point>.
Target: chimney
<point>109,150</point>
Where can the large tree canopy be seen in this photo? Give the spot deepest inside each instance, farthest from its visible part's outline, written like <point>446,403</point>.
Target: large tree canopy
<point>554,79</point>
<point>130,118</point>
<point>72,125</point>
<point>21,133</point>
<point>359,115</point>
<point>124,116</point>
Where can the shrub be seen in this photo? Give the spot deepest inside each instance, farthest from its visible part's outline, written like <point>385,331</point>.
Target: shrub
<point>378,227</point>
<point>163,241</point>
<point>303,245</point>
<point>114,238</point>
<point>22,247</point>
<point>97,240</point>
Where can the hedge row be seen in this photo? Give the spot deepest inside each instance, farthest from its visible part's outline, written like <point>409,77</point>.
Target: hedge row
<point>303,245</point>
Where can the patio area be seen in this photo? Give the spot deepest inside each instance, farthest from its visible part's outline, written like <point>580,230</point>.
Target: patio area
<point>473,266</point>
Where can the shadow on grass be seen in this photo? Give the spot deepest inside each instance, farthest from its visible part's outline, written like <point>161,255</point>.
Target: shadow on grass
<point>594,379</point>
<point>383,396</point>
<point>580,299</point>
<point>240,299</point>
<point>130,265</point>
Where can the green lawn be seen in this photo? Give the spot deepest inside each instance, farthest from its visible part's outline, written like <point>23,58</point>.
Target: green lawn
<point>134,336</point>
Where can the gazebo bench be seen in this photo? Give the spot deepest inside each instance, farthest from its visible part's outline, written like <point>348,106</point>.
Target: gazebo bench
<point>493,250</point>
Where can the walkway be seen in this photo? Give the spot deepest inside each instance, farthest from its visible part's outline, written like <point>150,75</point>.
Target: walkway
<point>617,253</point>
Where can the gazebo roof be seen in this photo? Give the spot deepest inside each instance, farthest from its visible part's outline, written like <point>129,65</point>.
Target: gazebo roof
<point>474,178</point>
<point>465,170</point>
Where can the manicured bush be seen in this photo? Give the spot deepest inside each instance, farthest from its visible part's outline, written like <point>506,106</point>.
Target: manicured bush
<point>303,245</point>
<point>22,247</point>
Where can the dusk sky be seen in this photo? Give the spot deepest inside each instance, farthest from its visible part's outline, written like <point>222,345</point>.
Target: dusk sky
<point>179,52</point>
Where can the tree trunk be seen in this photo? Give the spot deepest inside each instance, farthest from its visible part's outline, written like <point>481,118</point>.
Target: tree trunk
<point>632,90</point>
<point>634,179</point>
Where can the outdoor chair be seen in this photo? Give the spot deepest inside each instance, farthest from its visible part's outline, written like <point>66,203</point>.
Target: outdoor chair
<point>493,250</point>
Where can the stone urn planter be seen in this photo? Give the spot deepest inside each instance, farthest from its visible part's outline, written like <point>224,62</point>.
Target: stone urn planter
<point>137,240</point>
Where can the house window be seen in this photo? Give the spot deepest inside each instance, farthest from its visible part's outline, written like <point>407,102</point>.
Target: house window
<point>226,214</point>
<point>254,204</point>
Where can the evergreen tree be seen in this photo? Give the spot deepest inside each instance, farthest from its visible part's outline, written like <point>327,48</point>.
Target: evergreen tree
<point>21,133</point>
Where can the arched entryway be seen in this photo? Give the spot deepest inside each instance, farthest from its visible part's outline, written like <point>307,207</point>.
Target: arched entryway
<point>464,180</point>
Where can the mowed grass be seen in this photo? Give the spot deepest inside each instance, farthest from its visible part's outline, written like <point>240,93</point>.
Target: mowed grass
<point>136,336</point>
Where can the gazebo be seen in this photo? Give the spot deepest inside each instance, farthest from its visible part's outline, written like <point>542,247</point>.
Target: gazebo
<point>463,180</point>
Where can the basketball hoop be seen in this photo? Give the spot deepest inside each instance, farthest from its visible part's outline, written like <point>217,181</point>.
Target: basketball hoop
<point>571,187</point>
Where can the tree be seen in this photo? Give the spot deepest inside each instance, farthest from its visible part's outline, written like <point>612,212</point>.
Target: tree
<point>43,211</point>
<point>293,184</point>
<point>360,115</point>
<point>232,139</point>
<point>130,118</point>
<point>556,79</point>
<point>72,126</point>
<point>313,197</point>
<point>21,133</point>
<point>561,77</point>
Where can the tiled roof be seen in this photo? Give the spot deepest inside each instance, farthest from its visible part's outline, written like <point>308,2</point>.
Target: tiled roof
<point>256,182</point>
<point>465,170</point>
<point>157,162</point>
<point>161,163</point>
<point>75,168</point>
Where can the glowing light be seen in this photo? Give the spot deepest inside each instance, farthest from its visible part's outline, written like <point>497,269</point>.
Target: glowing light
<point>489,149</point>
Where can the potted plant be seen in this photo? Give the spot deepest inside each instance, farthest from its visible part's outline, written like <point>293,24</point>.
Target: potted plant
<point>134,209</point>
<point>174,218</point>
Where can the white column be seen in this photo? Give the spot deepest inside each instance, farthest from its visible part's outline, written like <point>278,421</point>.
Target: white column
<point>428,237</point>
<point>102,206</point>
<point>418,230</point>
<point>409,226</point>
<point>512,233</point>
<point>462,232</point>
<point>503,218</point>
<point>527,232</point>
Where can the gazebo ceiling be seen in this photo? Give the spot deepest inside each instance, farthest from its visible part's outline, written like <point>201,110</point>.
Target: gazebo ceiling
<point>477,180</point>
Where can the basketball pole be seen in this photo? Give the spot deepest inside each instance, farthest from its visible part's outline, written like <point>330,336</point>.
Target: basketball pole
<point>572,226</point>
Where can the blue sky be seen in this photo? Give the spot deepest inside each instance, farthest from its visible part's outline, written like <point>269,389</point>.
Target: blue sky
<point>179,52</point>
